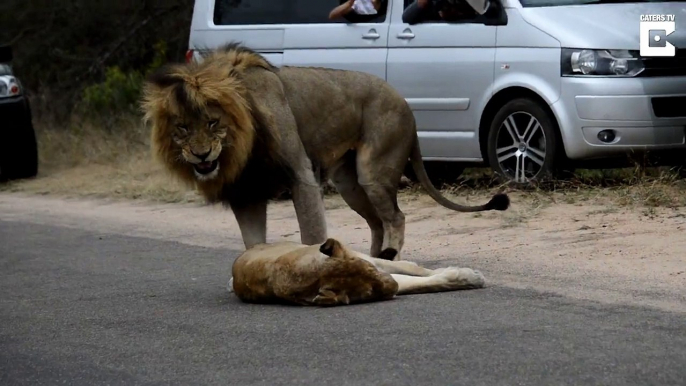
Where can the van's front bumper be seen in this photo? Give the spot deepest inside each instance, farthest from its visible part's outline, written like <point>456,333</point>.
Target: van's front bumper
<point>644,113</point>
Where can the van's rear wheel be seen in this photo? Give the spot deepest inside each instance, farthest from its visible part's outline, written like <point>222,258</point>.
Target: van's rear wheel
<point>523,142</point>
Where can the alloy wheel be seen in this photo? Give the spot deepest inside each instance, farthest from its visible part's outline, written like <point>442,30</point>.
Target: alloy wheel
<point>520,146</point>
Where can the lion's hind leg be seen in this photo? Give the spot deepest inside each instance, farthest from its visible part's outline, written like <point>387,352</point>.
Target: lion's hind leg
<point>386,263</point>
<point>345,179</point>
<point>447,279</point>
<point>402,267</point>
<point>380,183</point>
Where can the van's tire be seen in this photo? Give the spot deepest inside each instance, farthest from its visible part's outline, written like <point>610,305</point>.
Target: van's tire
<point>19,152</point>
<point>439,172</point>
<point>539,147</point>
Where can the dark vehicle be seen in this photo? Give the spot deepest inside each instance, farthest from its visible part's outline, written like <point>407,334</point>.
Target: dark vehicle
<point>18,146</point>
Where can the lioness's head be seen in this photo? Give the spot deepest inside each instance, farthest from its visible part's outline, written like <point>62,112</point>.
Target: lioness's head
<point>202,127</point>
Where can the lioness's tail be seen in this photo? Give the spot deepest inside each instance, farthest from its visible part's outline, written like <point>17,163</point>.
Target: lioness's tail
<point>499,201</point>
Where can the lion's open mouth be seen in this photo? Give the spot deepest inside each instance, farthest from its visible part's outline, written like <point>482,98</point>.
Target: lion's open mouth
<point>206,167</point>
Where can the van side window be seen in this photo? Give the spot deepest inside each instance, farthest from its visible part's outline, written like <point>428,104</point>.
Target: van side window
<point>437,11</point>
<point>244,12</point>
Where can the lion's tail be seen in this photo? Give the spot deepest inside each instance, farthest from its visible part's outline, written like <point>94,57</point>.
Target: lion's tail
<point>499,201</point>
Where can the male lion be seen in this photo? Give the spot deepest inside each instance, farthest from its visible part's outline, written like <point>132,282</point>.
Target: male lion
<point>331,274</point>
<point>242,131</point>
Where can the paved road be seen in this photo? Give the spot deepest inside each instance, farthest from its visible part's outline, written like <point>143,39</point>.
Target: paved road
<point>82,308</point>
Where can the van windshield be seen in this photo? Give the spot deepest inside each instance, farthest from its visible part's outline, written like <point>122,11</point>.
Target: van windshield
<point>552,3</point>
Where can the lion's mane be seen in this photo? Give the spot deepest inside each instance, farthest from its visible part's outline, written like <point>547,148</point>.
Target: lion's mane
<point>250,150</point>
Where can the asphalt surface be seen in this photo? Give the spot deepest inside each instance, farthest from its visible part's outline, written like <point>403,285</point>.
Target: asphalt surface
<point>82,308</point>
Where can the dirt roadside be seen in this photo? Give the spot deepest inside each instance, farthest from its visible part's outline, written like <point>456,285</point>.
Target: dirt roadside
<point>601,253</point>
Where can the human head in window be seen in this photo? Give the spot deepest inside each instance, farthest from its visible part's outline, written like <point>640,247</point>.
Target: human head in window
<point>443,10</point>
<point>350,9</point>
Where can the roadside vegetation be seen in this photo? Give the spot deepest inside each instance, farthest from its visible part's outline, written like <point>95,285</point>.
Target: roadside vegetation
<point>88,160</point>
<point>83,64</point>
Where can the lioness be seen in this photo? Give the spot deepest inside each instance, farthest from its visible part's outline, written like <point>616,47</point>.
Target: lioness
<point>331,274</point>
<point>242,131</point>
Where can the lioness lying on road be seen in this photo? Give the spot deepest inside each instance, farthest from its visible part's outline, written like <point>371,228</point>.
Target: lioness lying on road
<point>331,274</point>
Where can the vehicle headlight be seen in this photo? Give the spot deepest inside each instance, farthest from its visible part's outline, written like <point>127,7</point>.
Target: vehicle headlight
<point>586,62</point>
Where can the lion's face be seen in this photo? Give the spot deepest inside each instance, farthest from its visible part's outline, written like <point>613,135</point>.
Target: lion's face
<point>202,137</point>
<point>203,121</point>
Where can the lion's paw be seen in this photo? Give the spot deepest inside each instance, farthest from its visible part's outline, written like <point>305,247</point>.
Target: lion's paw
<point>462,277</point>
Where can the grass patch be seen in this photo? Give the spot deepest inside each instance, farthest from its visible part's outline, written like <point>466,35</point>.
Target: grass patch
<point>630,187</point>
<point>86,159</point>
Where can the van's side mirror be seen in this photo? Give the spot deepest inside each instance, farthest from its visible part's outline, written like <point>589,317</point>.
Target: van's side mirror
<point>5,54</point>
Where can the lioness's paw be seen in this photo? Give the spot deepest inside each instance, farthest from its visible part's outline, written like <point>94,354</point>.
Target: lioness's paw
<point>462,277</point>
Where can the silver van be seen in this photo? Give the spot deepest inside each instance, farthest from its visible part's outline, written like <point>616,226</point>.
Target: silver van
<point>527,87</point>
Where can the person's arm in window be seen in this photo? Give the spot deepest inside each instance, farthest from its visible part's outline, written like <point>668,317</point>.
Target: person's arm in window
<point>415,12</point>
<point>341,10</point>
<point>347,11</point>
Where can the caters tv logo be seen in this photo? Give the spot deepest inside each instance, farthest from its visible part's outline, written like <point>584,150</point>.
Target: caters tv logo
<point>654,35</point>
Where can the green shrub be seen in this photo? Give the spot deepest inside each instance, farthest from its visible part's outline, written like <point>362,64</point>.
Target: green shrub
<point>120,91</point>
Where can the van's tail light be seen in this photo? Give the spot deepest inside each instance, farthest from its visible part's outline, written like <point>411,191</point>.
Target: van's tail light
<point>189,56</point>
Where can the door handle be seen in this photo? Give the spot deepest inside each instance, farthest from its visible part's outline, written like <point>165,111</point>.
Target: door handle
<point>407,35</point>
<point>371,35</point>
